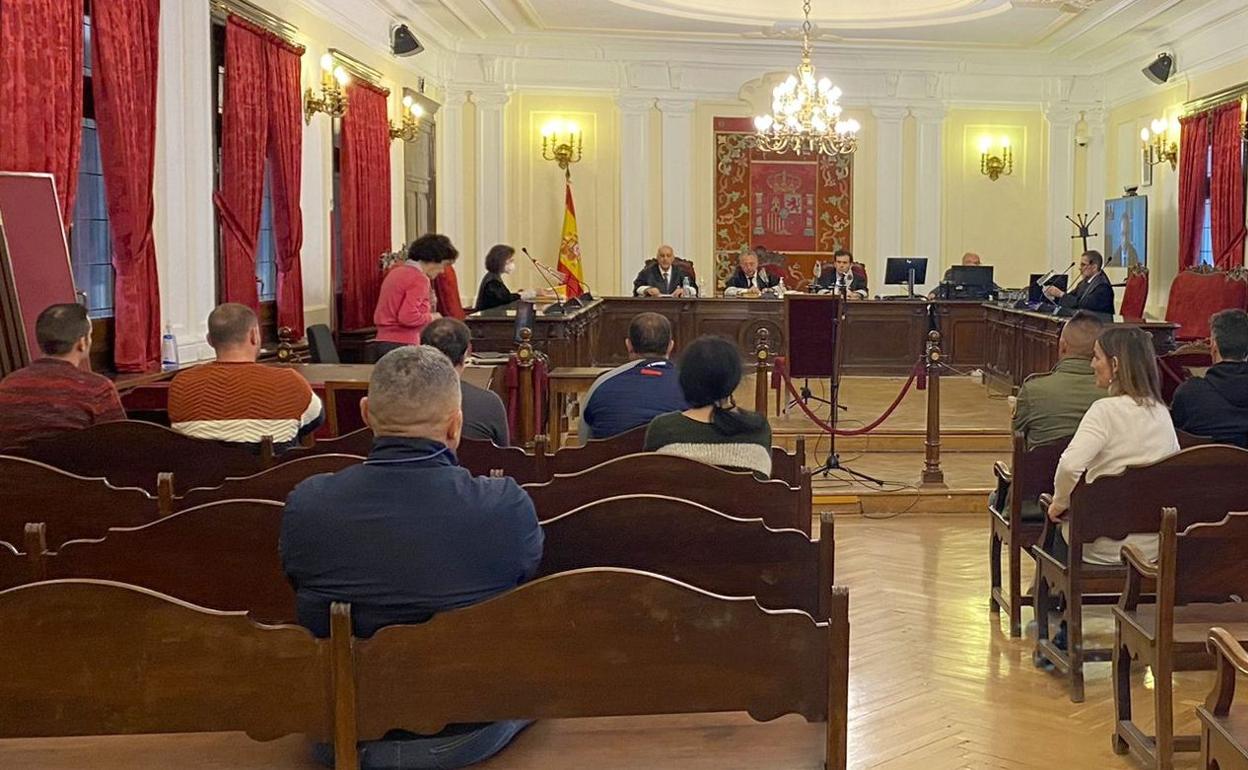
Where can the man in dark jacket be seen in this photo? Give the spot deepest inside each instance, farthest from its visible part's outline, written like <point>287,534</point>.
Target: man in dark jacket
<point>408,534</point>
<point>633,394</point>
<point>749,278</point>
<point>841,279</point>
<point>1216,405</point>
<point>1094,293</point>
<point>664,278</point>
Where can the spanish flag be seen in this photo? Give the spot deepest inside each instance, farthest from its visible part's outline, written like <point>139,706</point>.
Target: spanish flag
<point>570,248</point>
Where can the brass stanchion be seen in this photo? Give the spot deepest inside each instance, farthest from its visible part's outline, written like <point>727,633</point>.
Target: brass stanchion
<point>933,476</point>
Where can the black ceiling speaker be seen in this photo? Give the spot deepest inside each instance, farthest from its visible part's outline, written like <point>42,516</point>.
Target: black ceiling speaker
<point>403,42</point>
<point>1160,69</point>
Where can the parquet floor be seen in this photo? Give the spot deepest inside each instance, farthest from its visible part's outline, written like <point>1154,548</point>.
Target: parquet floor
<point>936,683</point>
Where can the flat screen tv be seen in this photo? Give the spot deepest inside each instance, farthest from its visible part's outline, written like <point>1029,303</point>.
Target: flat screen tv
<point>1126,231</point>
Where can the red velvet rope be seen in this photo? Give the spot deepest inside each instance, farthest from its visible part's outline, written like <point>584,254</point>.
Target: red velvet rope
<point>919,366</point>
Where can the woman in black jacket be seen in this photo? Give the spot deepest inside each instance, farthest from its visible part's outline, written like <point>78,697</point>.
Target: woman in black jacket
<point>500,260</point>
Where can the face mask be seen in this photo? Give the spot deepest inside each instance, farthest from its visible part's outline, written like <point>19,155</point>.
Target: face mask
<point>509,268</point>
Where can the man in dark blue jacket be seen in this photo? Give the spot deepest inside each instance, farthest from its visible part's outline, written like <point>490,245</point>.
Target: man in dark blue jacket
<point>407,534</point>
<point>1216,405</point>
<point>633,394</point>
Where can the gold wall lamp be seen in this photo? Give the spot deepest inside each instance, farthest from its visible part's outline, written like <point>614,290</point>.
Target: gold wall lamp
<point>409,122</point>
<point>562,143</point>
<point>333,98</point>
<point>995,166</point>
<point>1162,143</point>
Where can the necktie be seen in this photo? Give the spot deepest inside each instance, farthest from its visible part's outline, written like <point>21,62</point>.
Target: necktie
<point>666,283</point>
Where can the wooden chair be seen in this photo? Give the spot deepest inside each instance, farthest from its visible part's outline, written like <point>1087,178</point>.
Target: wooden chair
<point>130,453</point>
<point>1017,527</point>
<point>70,506</point>
<point>1194,480</point>
<point>483,458</point>
<point>1135,293</point>
<point>272,484</point>
<point>222,555</point>
<point>736,493</point>
<point>604,642</point>
<point>1200,574</point>
<point>783,569</point>
<point>1224,728</point>
<point>101,658</point>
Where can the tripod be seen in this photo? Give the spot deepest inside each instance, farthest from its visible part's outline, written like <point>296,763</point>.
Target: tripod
<point>805,396</point>
<point>833,463</point>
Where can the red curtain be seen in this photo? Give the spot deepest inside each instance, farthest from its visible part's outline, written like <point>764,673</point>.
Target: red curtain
<point>244,142</point>
<point>1226,190</point>
<point>41,91</point>
<point>364,183</point>
<point>1193,165</point>
<point>124,59</point>
<point>285,164</point>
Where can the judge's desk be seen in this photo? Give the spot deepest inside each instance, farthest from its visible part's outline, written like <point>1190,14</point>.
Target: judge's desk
<point>881,337</point>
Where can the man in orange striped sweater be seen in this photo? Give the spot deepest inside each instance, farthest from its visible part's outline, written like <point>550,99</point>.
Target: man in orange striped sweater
<point>236,399</point>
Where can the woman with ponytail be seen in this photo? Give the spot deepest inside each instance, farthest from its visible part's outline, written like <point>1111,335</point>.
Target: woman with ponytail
<point>713,429</point>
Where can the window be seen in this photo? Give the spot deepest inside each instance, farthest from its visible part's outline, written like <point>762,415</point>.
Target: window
<point>91,242</point>
<point>1205,256</point>
<point>266,244</point>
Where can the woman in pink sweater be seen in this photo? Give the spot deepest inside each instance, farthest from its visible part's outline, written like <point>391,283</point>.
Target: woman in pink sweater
<point>406,304</point>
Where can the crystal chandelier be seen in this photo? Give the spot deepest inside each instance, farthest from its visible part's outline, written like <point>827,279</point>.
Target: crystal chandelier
<point>805,112</point>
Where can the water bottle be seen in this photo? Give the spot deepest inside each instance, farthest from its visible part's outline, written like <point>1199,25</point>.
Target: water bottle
<point>780,287</point>
<point>684,284</point>
<point>168,350</point>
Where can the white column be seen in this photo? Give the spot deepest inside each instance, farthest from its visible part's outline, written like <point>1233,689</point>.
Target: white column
<point>677,156</point>
<point>634,186</point>
<point>929,186</point>
<point>1096,163</point>
<point>1061,181</point>
<point>450,154</point>
<point>491,171</point>
<point>183,180</point>
<point>888,199</point>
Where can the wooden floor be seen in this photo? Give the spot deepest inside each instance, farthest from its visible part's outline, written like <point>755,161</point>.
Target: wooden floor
<point>935,683</point>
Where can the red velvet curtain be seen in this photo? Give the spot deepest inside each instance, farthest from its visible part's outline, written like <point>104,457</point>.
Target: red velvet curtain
<point>1226,190</point>
<point>124,58</point>
<point>41,91</point>
<point>285,165</point>
<point>244,142</point>
<point>1193,165</point>
<point>364,183</point>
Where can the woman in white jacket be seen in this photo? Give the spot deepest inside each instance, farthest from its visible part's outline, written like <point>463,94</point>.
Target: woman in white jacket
<point>1130,427</point>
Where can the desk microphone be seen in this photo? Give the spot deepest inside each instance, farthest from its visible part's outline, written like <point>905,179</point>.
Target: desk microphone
<point>557,307</point>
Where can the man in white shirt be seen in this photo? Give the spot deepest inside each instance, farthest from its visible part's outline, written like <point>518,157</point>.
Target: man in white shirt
<point>664,278</point>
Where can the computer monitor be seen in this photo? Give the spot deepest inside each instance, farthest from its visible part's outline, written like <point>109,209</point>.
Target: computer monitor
<point>977,276</point>
<point>1035,289</point>
<point>905,271</point>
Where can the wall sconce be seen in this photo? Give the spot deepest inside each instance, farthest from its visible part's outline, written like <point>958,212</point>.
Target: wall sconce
<point>409,124</point>
<point>1164,144</point>
<point>561,142</point>
<point>994,166</point>
<point>333,98</point>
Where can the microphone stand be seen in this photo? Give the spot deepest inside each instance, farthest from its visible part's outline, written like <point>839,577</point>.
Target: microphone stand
<point>557,307</point>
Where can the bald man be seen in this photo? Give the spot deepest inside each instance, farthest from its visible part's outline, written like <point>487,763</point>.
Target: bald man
<point>969,259</point>
<point>664,278</point>
<point>408,534</point>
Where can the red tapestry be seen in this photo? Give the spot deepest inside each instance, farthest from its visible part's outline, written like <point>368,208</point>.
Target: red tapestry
<point>799,207</point>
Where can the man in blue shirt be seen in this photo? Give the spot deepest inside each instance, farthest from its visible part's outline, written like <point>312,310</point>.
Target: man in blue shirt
<point>632,395</point>
<point>407,534</point>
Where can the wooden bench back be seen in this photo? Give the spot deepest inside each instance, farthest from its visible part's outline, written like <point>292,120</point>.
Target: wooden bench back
<point>790,466</point>
<point>221,555</point>
<point>130,453</point>
<point>595,452</point>
<point>736,493</point>
<point>1033,470</point>
<point>484,457</point>
<point>1211,563</point>
<point>605,642</point>
<point>783,569</point>
<point>272,484</point>
<point>358,442</point>
<point>70,506</point>
<point>1203,482</point>
<point>99,658</point>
